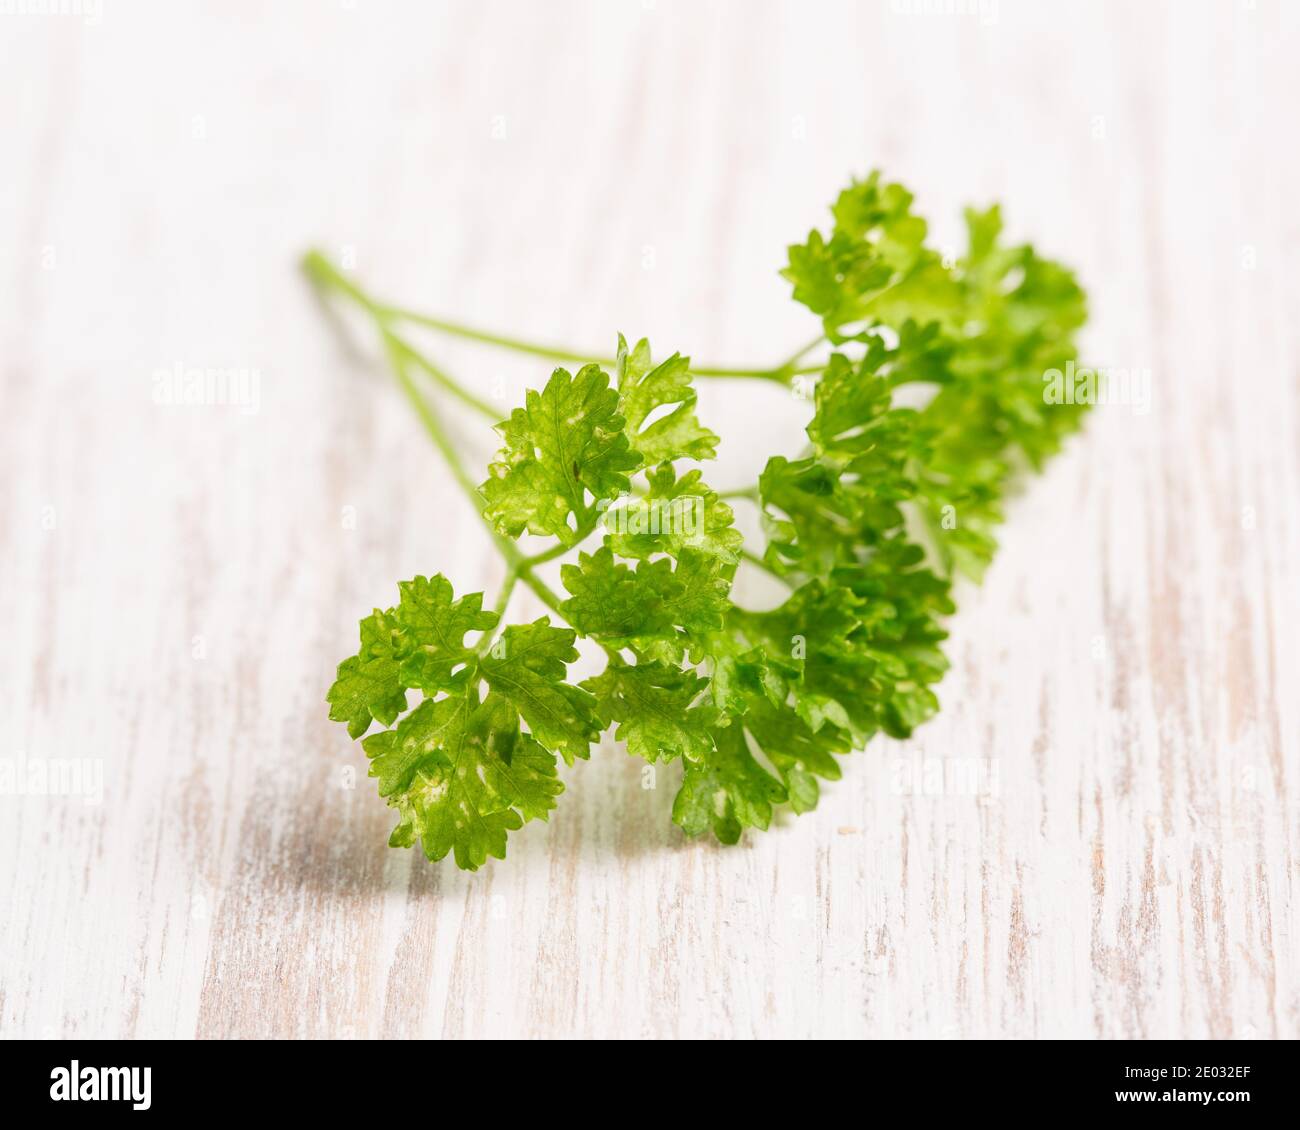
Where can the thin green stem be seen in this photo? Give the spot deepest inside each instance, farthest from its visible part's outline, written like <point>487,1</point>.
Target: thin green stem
<point>541,589</point>
<point>750,493</point>
<point>781,373</point>
<point>519,570</point>
<point>507,587</point>
<point>487,337</point>
<point>499,609</point>
<point>327,277</point>
<point>523,570</point>
<point>739,374</point>
<point>452,386</point>
<point>757,561</point>
<point>518,566</point>
<point>399,357</point>
<point>799,354</point>
<point>402,355</point>
<point>559,549</point>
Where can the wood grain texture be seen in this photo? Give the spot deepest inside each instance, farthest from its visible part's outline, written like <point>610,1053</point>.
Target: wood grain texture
<point>178,582</point>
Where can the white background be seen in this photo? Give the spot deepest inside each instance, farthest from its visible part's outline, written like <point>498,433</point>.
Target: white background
<point>178,583</point>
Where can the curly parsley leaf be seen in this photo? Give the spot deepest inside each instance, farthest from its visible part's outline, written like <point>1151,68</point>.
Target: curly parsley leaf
<point>727,790</point>
<point>657,708</point>
<point>874,266</point>
<point>675,514</point>
<point>433,628</point>
<point>460,769</point>
<point>614,603</point>
<point>653,603</point>
<point>643,390</point>
<point>461,776</point>
<point>568,441</point>
<point>527,668</point>
<point>369,686</point>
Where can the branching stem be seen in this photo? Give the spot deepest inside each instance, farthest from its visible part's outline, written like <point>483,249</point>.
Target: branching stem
<point>326,275</point>
<point>757,561</point>
<point>402,355</point>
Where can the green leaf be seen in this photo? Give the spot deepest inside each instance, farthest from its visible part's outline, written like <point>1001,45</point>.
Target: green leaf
<point>419,740</point>
<point>643,390</point>
<point>740,671</point>
<point>614,603</point>
<point>527,667</point>
<point>368,686</point>
<point>516,764</point>
<point>726,790</point>
<point>676,514</point>
<point>983,331</point>
<point>620,606</point>
<point>797,751</point>
<point>863,650</point>
<point>832,507</point>
<point>701,599</point>
<point>433,629</point>
<point>429,770</point>
<point>874,266</point>
<point>657,709</point>
<point>854,413</point>
<point>461,776</point>
<point>567,442</point>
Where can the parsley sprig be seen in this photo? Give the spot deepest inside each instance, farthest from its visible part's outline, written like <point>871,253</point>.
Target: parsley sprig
<point>928,406</point>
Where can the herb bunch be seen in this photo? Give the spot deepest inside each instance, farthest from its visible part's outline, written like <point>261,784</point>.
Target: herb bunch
<point>867,527</point>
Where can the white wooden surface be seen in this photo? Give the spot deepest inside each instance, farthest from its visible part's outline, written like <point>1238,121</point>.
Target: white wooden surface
<point>179,582</point>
